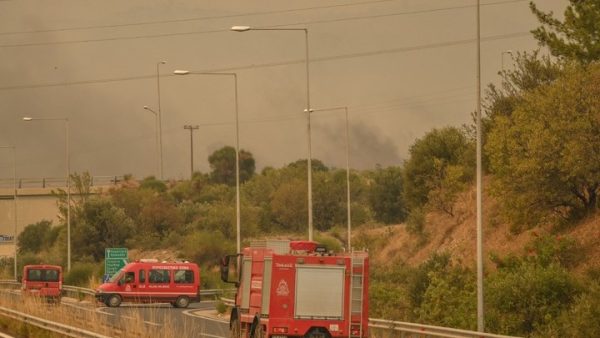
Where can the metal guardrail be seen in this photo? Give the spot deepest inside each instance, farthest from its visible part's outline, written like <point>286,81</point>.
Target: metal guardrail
<point>78,290</point>
<point>56,182</point>
<point>10,282</point>
<point>407,330</point>
<point>62,329</point>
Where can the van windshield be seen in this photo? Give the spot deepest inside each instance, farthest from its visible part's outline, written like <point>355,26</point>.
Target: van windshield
<point>115,277</point>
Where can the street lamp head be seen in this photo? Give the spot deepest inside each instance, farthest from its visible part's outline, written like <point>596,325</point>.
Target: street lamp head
<point>27,118</point>
<point>240,28</point>
<point>163,62</point>
<point>146,107</point>
<point>181,72</point>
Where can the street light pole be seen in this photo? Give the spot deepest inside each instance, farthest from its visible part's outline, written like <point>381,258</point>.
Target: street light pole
<point>156,127</point>
<point>14,150</point>
<point>237,149</point>
<point>307,110</point>
<point>68,161</point>
<point>480,318</point>
<point>159,118</point>
<point>349,219</point>
<point>191,128</point>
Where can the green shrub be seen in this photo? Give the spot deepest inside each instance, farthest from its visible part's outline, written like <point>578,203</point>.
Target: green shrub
<point>80,274</point>
<point>415,222</point>
<point>330,243</point>
<point>453,289</point>
<point>388,292</point>
<point>527,297</point>
<point>580,320</point>
<point>221,307</point>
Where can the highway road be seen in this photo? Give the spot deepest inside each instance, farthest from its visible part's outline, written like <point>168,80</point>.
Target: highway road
<point>195,321</point>
<point>157,320</point>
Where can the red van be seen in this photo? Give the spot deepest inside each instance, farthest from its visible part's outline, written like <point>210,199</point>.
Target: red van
<point>148,281</point>
<point>43,280</point>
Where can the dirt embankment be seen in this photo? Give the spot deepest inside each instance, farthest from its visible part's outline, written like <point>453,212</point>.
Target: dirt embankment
<point>457,236</point>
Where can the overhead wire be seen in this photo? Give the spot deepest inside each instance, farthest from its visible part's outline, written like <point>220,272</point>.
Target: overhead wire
<point>213,17</point>
<point>281,63</point>
<point>162,35</point>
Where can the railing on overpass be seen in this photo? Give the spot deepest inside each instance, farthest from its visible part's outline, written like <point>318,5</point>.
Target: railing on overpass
<point>55,182</point>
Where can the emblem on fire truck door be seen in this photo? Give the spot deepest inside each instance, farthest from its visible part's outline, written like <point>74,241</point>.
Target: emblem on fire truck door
<point>282,288</point>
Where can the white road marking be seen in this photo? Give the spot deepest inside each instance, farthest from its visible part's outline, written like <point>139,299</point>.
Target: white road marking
<point>191,313</point>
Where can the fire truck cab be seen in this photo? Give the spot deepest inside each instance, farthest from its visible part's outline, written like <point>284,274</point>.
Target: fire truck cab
<point>43,280</point>
<point>149,281</point>
<point>297,289</point>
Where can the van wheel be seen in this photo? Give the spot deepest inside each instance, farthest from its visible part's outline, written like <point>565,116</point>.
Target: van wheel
<point>182,302</point>
<point>114,301</point>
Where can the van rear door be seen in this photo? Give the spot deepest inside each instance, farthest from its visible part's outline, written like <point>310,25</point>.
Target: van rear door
<point>46,282</point>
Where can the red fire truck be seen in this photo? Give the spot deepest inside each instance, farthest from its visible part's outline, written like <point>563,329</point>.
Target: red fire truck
<point>297,289</point>
<point>42,280</point>
<point>148,281</point>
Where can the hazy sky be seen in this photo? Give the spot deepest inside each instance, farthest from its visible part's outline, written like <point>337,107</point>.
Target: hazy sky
<point>402,67</point>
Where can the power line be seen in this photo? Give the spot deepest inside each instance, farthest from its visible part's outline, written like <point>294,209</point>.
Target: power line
<point>162,35</point>
<point>282,63</point>
<point>215,17</point>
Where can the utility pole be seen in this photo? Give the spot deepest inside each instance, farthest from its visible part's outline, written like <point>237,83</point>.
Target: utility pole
<point>191,128</point>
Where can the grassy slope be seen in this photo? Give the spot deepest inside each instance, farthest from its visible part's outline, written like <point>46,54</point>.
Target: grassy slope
<point>457,236</point>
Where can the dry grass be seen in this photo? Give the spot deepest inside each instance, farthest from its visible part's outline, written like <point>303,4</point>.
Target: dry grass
<point>130,323</point>
<point>457,236</point>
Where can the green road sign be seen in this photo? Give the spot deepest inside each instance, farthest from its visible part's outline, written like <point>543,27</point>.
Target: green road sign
<point>115,253</point>
<point>114,260</point>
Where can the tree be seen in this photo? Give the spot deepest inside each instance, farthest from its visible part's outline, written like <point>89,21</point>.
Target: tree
<point>317,165</point>
<point>101,225</point>
<point>385,196</point>
<point>575,38</point>
<point>545,155</point>
<point>329,199</point>
<point>159,216</point>
<point>440,163</point>
<point>37,237</point>
<point>222,164</point>
<point>289,205</point>
<point>531,71</point>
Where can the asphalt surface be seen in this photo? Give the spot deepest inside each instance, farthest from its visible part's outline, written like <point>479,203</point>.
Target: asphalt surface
<point>197,320</point>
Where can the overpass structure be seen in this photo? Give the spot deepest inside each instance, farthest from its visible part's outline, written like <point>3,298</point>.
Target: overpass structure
<point>35,202</point>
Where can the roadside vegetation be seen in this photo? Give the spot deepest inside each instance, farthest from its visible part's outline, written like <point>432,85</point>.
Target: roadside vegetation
<point>542,167</point>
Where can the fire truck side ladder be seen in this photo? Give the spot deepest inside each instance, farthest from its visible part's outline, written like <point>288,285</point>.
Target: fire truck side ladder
<point>357,282</point>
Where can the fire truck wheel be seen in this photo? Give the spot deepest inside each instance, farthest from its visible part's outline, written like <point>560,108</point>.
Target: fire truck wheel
<point>182,302</point>
<point>114,301</point>
<point>317,333</point>
<point>235,329</point>
<point>258,332</point>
